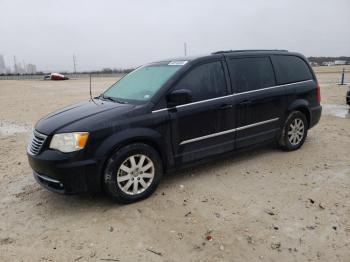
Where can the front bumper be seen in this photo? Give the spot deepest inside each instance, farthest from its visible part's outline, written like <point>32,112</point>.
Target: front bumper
<point>65,173</point>
<point>49,183</point>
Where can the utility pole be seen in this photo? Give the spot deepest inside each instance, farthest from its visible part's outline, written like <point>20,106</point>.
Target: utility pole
<point>15,64</point>
<point>185,49</point>
<point>75,64</point>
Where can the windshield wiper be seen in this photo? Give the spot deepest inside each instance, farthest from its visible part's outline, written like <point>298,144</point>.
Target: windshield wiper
<point>107,98</point>
<point>112,99</point>
<point>119,101</point>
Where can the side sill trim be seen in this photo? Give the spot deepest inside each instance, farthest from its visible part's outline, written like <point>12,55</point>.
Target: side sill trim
<point>227,131</point>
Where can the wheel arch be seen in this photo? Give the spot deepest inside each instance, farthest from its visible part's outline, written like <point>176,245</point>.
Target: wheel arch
<point>302,106</point>
<point>130,136</point>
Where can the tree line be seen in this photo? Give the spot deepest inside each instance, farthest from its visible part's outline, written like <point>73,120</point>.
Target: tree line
<point>320,59</point>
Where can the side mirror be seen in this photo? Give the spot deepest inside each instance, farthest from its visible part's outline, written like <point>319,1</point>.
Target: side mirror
<point>179,97</point>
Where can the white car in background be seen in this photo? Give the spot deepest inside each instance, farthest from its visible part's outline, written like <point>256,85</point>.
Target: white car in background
<point>55,76</point>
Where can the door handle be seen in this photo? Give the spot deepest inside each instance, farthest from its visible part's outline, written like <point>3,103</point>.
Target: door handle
<point>225,106</point>
<point>245,102</point>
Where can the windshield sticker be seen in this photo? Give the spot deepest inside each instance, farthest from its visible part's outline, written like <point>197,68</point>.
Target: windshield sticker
<point>178,63</point>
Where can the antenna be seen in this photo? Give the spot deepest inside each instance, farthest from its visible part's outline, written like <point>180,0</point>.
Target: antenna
<point>90,87</point>
<point>185,49</point>
<point>90,91</point>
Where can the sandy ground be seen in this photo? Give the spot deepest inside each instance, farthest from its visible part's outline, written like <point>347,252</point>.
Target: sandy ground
<point>261,205</point>
<point>332,74</point>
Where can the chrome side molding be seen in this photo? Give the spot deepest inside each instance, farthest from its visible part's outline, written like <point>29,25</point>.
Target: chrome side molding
<point>227,131</point>
<point>235,94</point>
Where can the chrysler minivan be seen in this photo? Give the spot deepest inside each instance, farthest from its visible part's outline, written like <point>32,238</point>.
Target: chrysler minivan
<point>174,112</point>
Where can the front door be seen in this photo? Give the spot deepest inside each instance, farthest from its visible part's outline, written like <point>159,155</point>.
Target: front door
<point>197,127</point>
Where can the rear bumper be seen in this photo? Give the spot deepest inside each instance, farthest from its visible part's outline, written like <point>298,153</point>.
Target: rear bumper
<point>63,173</point>
<point>315,115</point>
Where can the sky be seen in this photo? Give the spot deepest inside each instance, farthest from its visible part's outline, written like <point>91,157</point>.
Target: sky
<point>125,34</point>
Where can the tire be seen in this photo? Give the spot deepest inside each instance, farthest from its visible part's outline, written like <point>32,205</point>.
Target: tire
<point>124,170</point>
<point>348,98</point>
<point>294,131</point>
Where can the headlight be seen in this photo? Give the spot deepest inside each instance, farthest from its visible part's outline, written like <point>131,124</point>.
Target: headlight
<point>69,142</point>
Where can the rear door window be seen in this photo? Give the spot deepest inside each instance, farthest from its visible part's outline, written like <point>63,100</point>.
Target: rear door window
<point>291,69</point>
<point>251,73</point>
<point>205,81</point>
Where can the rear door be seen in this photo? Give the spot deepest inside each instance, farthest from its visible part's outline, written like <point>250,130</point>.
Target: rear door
<point>259,102</point>
<point>295,74</point>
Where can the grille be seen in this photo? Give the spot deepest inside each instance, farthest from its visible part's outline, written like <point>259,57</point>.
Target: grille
<point>36,143</point>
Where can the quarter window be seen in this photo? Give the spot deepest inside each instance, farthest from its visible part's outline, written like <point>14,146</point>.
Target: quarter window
<point>251,73</point>
<point>205,81</point>
<point>291,69</point>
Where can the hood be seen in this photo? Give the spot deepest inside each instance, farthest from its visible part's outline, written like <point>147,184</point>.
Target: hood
<point>77,112</point>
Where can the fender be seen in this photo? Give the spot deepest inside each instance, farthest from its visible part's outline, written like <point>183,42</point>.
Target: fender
<point>300,104</point>
<point>130,135</point>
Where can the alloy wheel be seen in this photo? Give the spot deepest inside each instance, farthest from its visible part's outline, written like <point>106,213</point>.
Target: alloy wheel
<point>135,174</point>
<point>296,131</point>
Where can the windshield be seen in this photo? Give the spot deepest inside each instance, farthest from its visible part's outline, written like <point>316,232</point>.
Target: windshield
<point>142,83</point>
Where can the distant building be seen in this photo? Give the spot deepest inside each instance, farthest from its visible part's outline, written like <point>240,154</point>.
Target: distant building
<point>328,63</point>
<point>340,62</point>
<point>30,69</point>
<point>19,68</point>
<point>2,65</point>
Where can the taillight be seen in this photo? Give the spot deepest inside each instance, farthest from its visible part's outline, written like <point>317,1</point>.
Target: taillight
<point>318,93</point>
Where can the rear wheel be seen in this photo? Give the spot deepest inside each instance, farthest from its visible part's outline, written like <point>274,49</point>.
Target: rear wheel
<point>132,173</point>
<point>294,131</point>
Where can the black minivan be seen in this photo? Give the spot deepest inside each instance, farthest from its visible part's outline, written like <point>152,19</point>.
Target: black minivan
<point>174,112</point>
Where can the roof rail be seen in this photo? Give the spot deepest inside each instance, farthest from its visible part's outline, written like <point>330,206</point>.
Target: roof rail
<point>247,50</point>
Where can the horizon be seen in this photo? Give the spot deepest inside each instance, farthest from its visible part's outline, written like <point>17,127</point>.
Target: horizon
<point>121,69</point>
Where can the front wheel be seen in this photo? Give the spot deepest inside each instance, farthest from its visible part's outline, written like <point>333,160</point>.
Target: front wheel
<point>132,173</point>
<point>294,131</point>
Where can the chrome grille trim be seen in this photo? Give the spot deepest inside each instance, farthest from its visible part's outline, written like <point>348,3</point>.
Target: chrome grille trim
<point>36,142</point>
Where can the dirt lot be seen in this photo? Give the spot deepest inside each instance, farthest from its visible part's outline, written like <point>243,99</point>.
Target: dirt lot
<point>262,205</point>
<point>332,74</point>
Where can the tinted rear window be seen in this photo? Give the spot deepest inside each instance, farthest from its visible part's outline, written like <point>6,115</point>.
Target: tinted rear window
<point>291,69</point>
<point>251,73</point>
